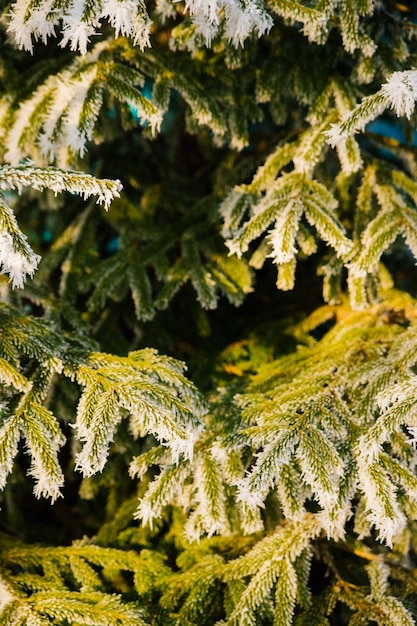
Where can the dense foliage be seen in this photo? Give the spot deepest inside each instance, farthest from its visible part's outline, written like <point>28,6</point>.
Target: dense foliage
<point>208,323</point>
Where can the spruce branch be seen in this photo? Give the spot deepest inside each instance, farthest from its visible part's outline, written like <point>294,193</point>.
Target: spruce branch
<point>58,180</point>
<point>271,559</point>
<point>289,198</point>
<point>81,21</point>
<point>164,489</point>
<point>398,93</point>
<point>58,119</point>
<point>151,389</point>
<point>46,576</point>
<point>306,459</point>
<point>17,259</point>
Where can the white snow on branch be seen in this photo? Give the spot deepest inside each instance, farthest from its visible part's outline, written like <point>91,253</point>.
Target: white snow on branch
<point>71,107</point>
<point>81,20</point>
<point>398,93</point>
<point>77,28</point>
<point>17,258</point>
<point>243,18</point>
<point>59,180</point>
<point>165,9</point>
<point>130,19</point>
<point>240,19</point>
<point>38,23</point>
<point>282,235</point>
<point>14,263</point>
<point>56,122</point>
<point>356,120</point>
<point>11,139</point>
<point>401,92</point>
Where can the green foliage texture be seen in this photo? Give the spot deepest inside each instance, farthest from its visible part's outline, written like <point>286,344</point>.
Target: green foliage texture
<point>208,313</point>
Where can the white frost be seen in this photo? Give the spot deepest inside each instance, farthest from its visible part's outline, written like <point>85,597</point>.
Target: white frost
<point>76,29</point>
<point>14,263</point>
<point>234,19</point>
<point>401,92</point>
<point>129,19</point>
<point>38,22</point>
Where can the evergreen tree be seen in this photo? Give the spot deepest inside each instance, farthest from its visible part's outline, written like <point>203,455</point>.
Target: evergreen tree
<point>208,336</point>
